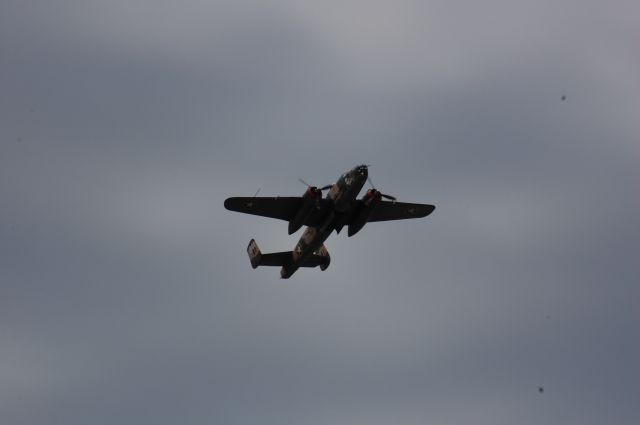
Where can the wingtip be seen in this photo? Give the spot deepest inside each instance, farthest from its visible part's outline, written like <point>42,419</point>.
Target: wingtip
<point>433,207</point>
<point>428,210</point>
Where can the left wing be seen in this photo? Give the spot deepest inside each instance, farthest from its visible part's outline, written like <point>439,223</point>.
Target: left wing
<point>281,207</point>
<point>386,210</point>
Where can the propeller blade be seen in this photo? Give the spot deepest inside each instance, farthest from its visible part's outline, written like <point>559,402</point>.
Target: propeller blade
<point>374,188</point>
<point>303,182</point>
<point>371,182</point>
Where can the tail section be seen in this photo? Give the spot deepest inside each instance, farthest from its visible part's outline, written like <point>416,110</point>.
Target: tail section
<point>257,258</point>
<point>285,259</point>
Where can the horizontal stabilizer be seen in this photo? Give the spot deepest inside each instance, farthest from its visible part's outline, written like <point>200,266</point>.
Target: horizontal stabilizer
<point>285,258</point>
<point>277,259</point>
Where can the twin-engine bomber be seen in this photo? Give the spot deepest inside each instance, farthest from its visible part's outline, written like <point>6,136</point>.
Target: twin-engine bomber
<point>322,216</point>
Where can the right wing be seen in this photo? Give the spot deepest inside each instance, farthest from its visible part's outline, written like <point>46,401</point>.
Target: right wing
<point>286,258</point>
<point>386,210</point>
<point>281,207</point>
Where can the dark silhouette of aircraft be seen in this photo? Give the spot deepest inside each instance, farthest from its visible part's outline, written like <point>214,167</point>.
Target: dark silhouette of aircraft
<point>322,215</point>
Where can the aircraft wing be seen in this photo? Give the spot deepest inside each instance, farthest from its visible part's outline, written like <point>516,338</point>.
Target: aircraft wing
<point>281,207</point>
<point>386,210</point>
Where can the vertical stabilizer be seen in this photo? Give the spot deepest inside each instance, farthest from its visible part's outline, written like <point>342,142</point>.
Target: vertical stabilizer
<point>254,253</point>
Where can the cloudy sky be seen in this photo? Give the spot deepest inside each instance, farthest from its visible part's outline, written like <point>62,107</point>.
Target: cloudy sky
<point>126,296</point>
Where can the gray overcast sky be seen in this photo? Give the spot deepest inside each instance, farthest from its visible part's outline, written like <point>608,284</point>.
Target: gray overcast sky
<point>126,296</point>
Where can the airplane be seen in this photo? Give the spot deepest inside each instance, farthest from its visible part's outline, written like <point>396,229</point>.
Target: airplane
<point>322,216</point>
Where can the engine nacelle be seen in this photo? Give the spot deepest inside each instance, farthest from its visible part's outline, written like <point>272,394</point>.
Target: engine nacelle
<point>310,199</point>
<point>370,200</point>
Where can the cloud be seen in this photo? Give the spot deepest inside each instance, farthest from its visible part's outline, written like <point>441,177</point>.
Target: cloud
<point>127,293</point>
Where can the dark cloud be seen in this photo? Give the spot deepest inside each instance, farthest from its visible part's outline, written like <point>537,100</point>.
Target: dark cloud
<point>126,292</point>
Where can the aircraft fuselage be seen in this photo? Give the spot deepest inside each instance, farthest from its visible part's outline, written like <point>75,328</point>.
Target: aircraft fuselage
<point>342,194</point>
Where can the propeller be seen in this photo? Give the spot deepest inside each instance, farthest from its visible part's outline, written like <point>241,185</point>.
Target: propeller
<point>392,198</point>
<point>304,182</point>
<point>250,202</point>
<point>308,185</point>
